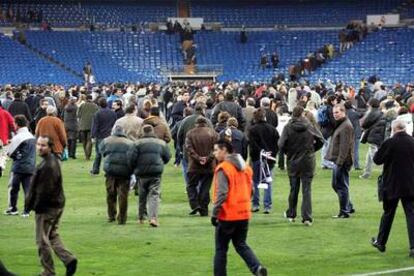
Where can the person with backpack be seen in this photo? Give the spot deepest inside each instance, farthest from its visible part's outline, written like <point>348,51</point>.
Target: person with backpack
<point>327,123</point>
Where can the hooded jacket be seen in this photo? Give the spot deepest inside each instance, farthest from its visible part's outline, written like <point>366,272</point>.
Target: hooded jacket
<point>299,141</point>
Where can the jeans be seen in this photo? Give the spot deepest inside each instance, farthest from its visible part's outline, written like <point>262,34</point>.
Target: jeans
<point>235,231</point>
<point>369,163</point>
<point>340,184</point>
<point>14,187</point>
<point>184,164</point>
<point>267,200</point>
<point>98,157</point>
<point>198,191</point>
<point>149,193</point>
<point>306,197</point>
<point>356,153</point>
<point>324,151</point>
<point>390,206</point>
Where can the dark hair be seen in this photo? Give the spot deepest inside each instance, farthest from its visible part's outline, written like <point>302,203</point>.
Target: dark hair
<point>18,95</point>
<point>221,144</point>
<point>330,99</point>
<point>50,142</point>
<point>89,97</point>
<point>102,102</point>
<point>259,115</point>
<point>348,105</point>
<point>374,103</point>
<point>130,109</point>
<point>228,96</point>
<point>20,120</point>
<point>188,111</point>
<point>155,111</point>
<point>297,111</point>
<point>402,110</point>
<point>118,102</point>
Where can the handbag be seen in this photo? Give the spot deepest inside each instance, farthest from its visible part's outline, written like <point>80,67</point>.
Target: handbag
<point>65,155</point>
<point>380,183</point>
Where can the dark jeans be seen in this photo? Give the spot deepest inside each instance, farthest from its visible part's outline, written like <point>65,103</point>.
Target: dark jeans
<point>198,191</point>
<point>267,198</point>
<point>86,142</point>
<point>340,184</point>
<point>98,157</point>
<point>235,231</point>
<point>306,197</point>
<point>16,180</point>
<point>390,206</point>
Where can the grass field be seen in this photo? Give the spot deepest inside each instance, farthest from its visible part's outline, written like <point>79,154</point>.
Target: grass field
<point>184,245</point>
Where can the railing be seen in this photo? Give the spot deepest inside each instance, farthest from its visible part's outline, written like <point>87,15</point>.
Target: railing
<point>192,71</point>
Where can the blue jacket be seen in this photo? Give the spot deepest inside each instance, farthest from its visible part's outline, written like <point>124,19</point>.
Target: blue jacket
<point>102,123</point>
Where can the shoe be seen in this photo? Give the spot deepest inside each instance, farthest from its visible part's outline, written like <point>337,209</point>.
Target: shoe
<point>261,271</point>
<point>358,169</point>
<point>110,220</point>
<point>255,209</point>
<point>290,220</point>
<point>326,168</point>
<point>11,212</point>
<point>352,211</point>
<point>364,176</point>
<point>71,267</point>
<point>91,173</point>
<point>266,211</point>
<point>154,223</point>
<point>380,247</point>
<point>307,223</point>
<point>25,215</point>
<point>1,172</point>
<point>141,221</point>
<point>411,253</point>
<point>194,211</point>
<point>341,216</point>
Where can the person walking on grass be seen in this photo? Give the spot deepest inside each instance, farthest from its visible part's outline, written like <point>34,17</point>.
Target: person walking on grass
<point>232,191</point>
<point>340,152</point>
<point>118,171</point>
<point>71,125</point>
<point>22,150</point>
<point>300,140</point>
<point>86,111</point>
<point>148,157</point>
<point>397,156</point>
<point>47,199</point>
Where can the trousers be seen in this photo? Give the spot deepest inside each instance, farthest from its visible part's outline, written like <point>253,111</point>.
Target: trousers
<point>295,182</point>
<point>149,194</point>
<point>14,187</point>
<point>86,143</point>
<point>117,188</point>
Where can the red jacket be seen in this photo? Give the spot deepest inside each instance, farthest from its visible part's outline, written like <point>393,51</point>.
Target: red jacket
<point>6,126</point>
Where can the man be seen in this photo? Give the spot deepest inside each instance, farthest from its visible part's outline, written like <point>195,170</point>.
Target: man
<point>148,157</point>
<point>118,171</point>
<point>22,150</point>
<point>87,72</point>
<point>178,108</point>
<point>53,127</point>
<point>199,144</point>
<point>271,116</point>
<point>115,96</point>
<point>6,127</point>
<point>117,108</point>
<point>19,107</point>
<point>235,137</point>
<point>232,184</point>
<point>300,140</point>
<point>232,108</point>
<point>161,129</point>
<point>397,156</point>
<point>248,112</point>
<point>47,199</point>
<point>373,125</point>
<point>40,112</point>
<point>102,124</point>
<point>262,137</point>
<point>71,125</point>
<point>340,152</point>
<point>275,60</point>
<point>130,123</point>
<point>85,116</point>
<point>355,117</point>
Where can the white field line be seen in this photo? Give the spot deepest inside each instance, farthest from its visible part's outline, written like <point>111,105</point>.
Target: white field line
<point>384,272</point>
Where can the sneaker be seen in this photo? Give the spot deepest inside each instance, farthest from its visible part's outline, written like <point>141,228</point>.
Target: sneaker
<point>290,220</point>
<point>25,215</point>
<point>71,267</point>
<point>194,211</point>
<point>307,223</point>
<point>364,176</point>
<point>341,216</point>
<point>266,211</point>
<point>380,247</point>
<point>11,212</point>
<point>261,271</point>
<point>255,209</point>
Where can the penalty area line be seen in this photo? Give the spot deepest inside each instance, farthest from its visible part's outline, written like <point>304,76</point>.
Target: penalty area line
<point>384,272</point>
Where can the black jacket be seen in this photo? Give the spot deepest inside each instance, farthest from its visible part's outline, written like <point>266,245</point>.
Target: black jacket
<point>18,107</point>
<point>262,136</point>
<point>397,155</point>
<point>374,127</point>
<point>299,141</point>
<point>46,190</point>
<point>114,149</point>
<point>271,117</point>
<point>102,123</point>
<point>149,156</point>
<point>329,129</point>
<point>238,141</point>
<point>24,157</point>
<point>70,118</point>
<point>233,109</point>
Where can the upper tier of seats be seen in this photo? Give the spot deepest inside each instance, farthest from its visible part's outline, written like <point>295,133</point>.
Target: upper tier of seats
<point>20,65</point>
<point>305,13</point>
<point>387,54</point>
<point>115,56</point>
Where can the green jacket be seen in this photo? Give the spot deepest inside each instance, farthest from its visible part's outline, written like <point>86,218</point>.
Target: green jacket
<point>85,115</point>
<point>115,150</point>
<point>149,156</point>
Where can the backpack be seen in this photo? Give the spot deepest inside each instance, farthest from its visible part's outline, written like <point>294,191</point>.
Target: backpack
<point>323,116</point>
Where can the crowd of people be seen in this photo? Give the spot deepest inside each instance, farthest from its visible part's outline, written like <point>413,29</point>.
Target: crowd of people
<point>217,130</point>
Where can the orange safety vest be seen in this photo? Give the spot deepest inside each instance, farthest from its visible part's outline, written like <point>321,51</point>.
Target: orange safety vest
<point>237,205</point>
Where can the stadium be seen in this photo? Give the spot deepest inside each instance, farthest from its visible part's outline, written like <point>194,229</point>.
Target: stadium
<point>147,136</point>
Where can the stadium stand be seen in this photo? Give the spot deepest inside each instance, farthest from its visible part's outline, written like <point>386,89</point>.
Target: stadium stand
<point>20,65</point>
<point>385,54</point>
<point>116,56</point>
